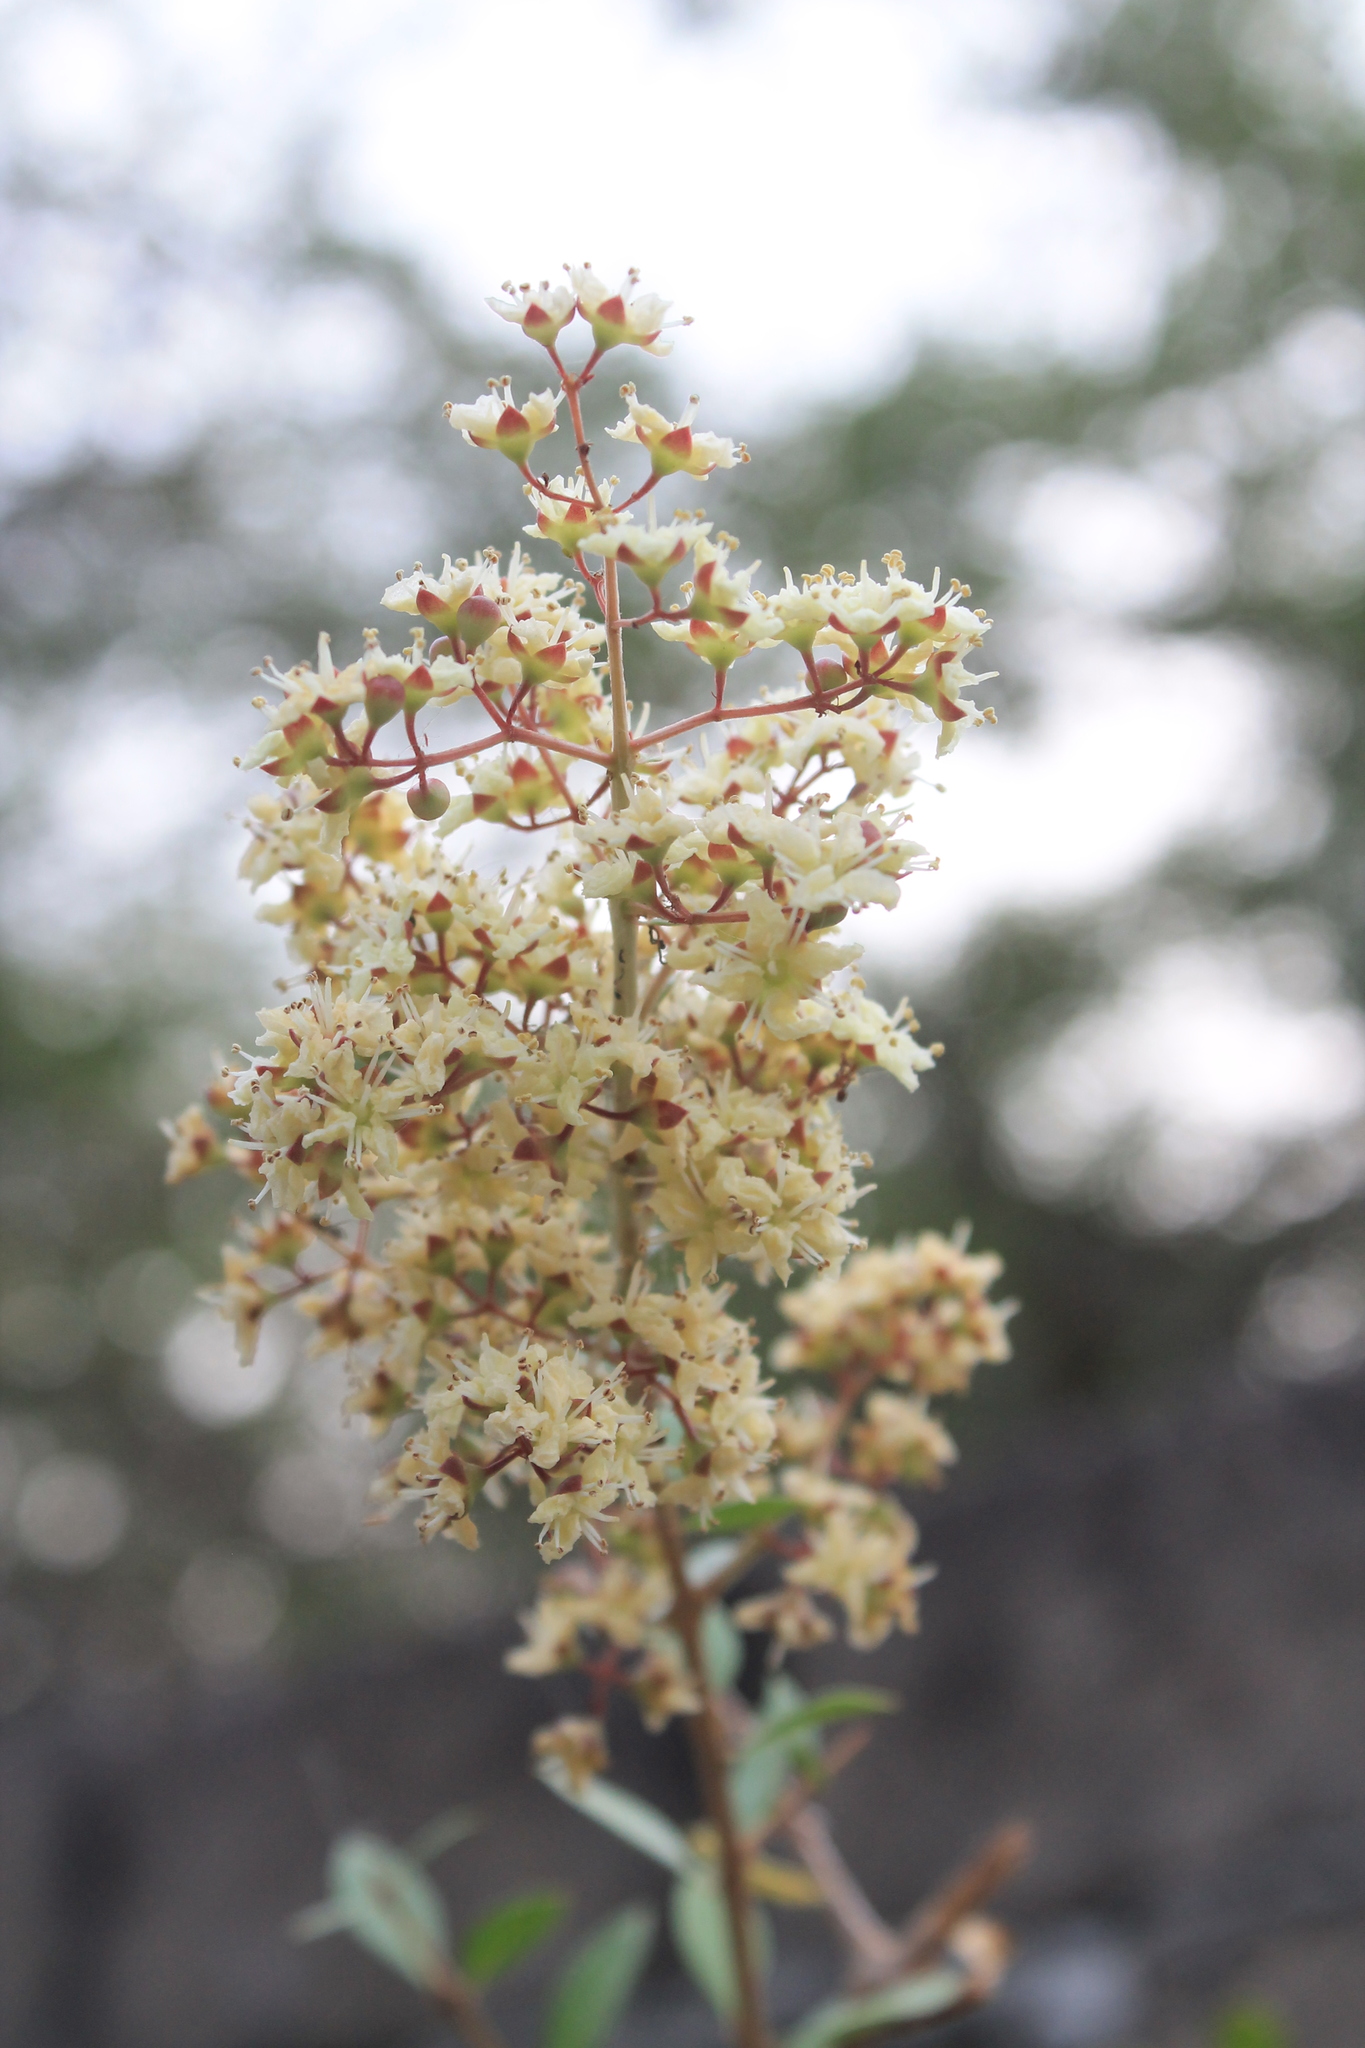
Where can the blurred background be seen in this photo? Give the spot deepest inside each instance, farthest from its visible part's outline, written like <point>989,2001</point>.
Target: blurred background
<point>1067,296</point>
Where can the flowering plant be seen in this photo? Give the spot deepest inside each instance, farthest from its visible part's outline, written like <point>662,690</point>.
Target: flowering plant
<point>513,1127</point>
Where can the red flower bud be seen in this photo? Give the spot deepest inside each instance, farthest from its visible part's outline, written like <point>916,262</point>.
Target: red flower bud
<point>417,693</point>
<point>439,914</point>
<point>477,620</point>
<point>384,699</point>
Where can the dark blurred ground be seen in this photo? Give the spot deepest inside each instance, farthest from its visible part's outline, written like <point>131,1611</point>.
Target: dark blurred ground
<point>1149,1643</point>
<point>187,1609</point>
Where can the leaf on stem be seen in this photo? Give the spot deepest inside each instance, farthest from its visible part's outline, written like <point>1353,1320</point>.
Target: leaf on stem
<point>442,1832</point>
<point>722,1648</point>
<point>509,1932</point>
<point>737,1517</point>
<point>314,1923</point>
<point>386,1902</point>
<point>760,1772</point>
<point>598,1984</point>
<point>924,1999</point>
<point>622,1814</point>
<point>841,1703</point>
<point>700,1926</point>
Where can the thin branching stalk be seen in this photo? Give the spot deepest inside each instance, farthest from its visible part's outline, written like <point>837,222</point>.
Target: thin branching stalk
<point>710,1754</point>
<point>455,1996</point>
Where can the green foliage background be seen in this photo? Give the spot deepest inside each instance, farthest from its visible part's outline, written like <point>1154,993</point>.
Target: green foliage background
<point>192,564</point>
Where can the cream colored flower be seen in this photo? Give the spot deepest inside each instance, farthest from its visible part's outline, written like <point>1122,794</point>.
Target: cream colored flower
<point>500,1187</point>
<point>672,446</point>
<point>576,1746</point>
<point>623,315</point>
<point>495,421</point>
<point>541,314</point>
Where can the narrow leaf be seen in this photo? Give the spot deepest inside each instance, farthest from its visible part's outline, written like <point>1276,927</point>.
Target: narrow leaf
<point>843,1703</point>
<point>622,1814</point>
<point>316,1921</point>
<point>722,1648</point>
<point>390,1906</point>
<point>739,1516</point>
<point>509,1932</point>
<point>758,1775</point>
<point>598,1985</point>
<point>700,1926</point>
<point>928,1995</point>
<point>442,1832</point>
<point>756,1782</point>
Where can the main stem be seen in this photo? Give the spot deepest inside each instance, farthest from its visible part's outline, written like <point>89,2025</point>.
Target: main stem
<point>455,1996</point>
<point>710,1756</point>
<point>625,976</point>
<point>708,1736</point>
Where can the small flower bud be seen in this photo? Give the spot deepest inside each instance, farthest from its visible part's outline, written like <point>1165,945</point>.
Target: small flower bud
<point>417,690</point>
<point>429,800</point>
<point>438,913</point>
<point>477,619</point>
<point>384,699</point>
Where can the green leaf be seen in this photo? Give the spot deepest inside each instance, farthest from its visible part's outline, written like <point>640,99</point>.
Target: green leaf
<point>842,1703</point>
<point>739,1516</point>
<point>622,1814</point>
<point>927,1996</point>
<point>759,1773</point>
<point>492,1945</point>
<point>756,1782</point>
<point>598,1984</point>
<point>390,1906</point>
<point>442,1832</point>
<point>700,1926</point>
<point>314,1922</point>
<point>722,1648</point>
<point>1251,2026</point>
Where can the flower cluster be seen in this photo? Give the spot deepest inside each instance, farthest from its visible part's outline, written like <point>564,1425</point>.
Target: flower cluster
<point>517,1134</point>
<point>579,1097</point>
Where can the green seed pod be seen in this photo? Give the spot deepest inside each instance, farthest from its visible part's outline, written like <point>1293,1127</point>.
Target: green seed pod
<point>430,801</point>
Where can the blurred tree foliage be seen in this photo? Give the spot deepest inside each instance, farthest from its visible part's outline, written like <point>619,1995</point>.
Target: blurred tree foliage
<point>1249,395</point>
<point>190,563</point>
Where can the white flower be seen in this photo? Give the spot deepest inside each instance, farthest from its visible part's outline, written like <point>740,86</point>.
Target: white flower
<point>672,445</point>
<point>651,551</point>
<point>566,514</point>
<point>622,316</point>
<point>494,421</point>
<point>863,610</point>
<point>539,314</point>
<point>440,600</point>
<point>803,612</point>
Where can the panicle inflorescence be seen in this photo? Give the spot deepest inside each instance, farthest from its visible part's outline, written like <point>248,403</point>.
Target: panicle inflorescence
<point>579,1095</point>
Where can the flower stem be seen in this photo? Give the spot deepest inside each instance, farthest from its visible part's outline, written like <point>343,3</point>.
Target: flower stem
<point>625,966</point>
<point>709,1753</point>
<point>456,1997</point>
